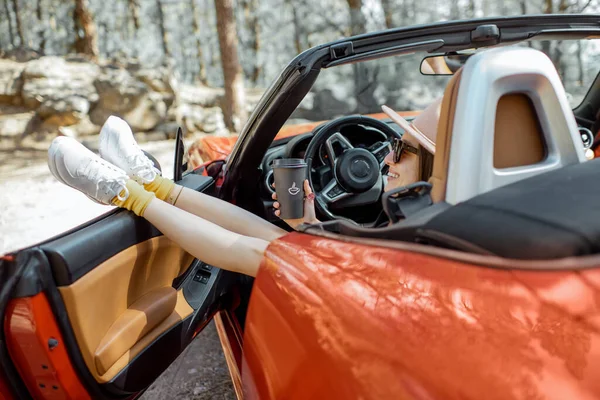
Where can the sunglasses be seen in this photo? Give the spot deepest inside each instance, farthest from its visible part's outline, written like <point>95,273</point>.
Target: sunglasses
<point>398,146</point>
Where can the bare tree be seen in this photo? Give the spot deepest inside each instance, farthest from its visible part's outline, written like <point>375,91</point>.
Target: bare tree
<point>357,18</point>
<point>196,31</point>
<point>234,107</point>
<point>134,10</point>
<point>297,26</point>
<point>41,30</point>
<point>18,22</point>
<point>161,27</point>
<point>9,20</point>
<point>250,8</point>
<point>386,6</point>
<point>86,41</point>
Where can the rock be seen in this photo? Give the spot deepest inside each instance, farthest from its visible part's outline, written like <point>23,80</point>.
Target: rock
<point>11,83</point>
<point>37,140</point>
<point>200,95</point>
<point>158,79</point>
<point>84,127</point>
<point>198,119</point>
<point>15,124</point>
<point>169,129</point>
<point>121,94</point>
<point>60,89</point>
<point>152,136</point>
<point>67,111</point>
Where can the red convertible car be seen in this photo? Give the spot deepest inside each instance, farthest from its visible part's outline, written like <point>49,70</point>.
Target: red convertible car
<point>485,285</point>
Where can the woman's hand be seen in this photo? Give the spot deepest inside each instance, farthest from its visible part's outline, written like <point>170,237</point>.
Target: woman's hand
<point>309,208</point>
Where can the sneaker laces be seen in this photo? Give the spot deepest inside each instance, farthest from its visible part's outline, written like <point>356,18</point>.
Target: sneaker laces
<point>143,167</point>
<point>110,186</point>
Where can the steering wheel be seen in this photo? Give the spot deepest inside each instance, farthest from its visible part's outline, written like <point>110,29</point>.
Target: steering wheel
<point>357,172</point>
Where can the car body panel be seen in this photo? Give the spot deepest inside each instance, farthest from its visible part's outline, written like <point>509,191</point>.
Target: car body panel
<point>331,319</point>
<point>30,327</point>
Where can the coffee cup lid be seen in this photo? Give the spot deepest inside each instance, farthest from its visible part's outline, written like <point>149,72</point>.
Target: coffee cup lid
<point>289,162</point>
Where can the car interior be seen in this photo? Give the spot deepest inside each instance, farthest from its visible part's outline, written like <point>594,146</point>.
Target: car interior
<point>509,154</point>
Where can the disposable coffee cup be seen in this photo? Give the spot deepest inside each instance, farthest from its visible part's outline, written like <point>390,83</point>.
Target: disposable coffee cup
<point>289,175</point>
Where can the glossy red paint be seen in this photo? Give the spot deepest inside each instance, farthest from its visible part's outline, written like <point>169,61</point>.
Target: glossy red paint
<point>47,372</point>
<point>5,392</point>
<point>230,337</point>
<point>335,320</point>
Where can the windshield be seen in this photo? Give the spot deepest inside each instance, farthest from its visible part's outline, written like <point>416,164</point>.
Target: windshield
<point>397,82</point>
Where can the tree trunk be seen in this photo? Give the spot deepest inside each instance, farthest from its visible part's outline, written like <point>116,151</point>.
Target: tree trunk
<point>297,27</point>
<point>86,41</point>
<point>134,10</point>
<point>472,8</point>
<point>357,18</point>
<point>250,16</point>
<point>386,6</point>
<point>161,27</point>
<point>18,22</point>
<point>41,30</point>
<point>563,6</point>
<point>234,108</point>
<point>9,20</point>
<point>580,68</point>
<point>196,31</point>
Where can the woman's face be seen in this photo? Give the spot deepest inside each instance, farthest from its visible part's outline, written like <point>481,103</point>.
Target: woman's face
<point>402,173</point>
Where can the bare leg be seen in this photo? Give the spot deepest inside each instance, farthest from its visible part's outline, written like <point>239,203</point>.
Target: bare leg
<point>205,240</point>
<point>227,215</point>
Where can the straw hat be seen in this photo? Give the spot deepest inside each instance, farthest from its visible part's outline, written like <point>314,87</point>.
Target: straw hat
<point>422,129</point>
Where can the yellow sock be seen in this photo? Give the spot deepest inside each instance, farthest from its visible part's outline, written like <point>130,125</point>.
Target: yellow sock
<point>162,188</point>
<point>138,198</point>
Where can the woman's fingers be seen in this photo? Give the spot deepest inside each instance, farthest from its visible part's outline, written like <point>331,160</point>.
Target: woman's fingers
<point>274,196</point>
<point>307,188</point>
<point>276,204</point>
<point>277,213</point>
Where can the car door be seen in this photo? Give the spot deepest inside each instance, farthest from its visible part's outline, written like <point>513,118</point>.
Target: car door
<point>101,311</point>
<point>346,318</point>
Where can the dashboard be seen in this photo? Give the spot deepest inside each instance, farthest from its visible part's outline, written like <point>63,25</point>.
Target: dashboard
<point>295,147</point>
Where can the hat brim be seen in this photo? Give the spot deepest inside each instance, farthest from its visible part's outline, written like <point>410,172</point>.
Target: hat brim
<point>423,139</point>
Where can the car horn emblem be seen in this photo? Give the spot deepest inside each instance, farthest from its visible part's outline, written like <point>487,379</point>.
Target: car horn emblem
<point>294,189</point>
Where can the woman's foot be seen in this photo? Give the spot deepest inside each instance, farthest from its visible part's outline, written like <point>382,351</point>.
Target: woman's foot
<point>118,146</point>
<point>76,166</point>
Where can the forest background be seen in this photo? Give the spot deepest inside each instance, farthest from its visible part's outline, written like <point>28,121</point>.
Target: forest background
<point>65,66</point>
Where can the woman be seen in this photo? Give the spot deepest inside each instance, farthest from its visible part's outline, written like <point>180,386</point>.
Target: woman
<point>409,160</point>
<point>210,229</point>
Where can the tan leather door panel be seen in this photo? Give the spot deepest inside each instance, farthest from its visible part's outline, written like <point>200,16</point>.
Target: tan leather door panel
<point>118,309</point>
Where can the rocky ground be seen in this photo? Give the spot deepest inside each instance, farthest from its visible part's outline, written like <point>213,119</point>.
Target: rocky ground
<point>34,206</point>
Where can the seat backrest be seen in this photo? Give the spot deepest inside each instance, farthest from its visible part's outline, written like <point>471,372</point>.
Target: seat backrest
<point>504,117</point>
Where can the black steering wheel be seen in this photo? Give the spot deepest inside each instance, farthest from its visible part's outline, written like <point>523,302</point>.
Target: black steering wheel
<point>357,172</point>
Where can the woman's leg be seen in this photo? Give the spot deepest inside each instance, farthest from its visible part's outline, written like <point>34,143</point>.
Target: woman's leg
<point>206,241</point>
<point>118,146</point>
<point>227,215</point>
<point>74,165</point>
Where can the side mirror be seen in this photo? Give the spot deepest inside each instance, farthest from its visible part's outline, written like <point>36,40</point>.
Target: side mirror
<point>443,65</point>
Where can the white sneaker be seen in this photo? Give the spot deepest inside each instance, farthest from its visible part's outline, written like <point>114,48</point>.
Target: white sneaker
<point>76,166</point>
<point>118,146</point>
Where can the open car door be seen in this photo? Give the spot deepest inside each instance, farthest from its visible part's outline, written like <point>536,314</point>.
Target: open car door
<point>101,311</point>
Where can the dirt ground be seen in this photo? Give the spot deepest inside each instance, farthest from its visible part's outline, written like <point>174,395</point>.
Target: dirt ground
<point>34,207</point>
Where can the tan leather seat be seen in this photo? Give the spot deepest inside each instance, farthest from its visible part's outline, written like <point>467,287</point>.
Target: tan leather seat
<point>525,105</point>
<point>442,143</point>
